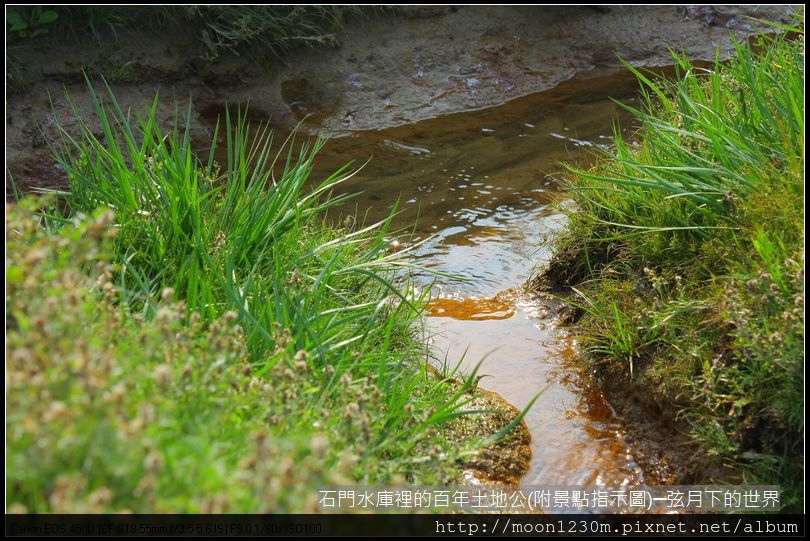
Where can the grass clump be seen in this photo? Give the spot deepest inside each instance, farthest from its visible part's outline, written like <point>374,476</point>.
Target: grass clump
<point>275,29</point>
<point>685,252</point>
<point>181,324</point>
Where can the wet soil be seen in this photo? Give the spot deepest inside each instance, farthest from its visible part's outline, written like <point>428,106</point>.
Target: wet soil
<point>502,463</point>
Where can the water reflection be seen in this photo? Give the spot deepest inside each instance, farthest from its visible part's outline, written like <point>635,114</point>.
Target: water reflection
<point>481,183</point>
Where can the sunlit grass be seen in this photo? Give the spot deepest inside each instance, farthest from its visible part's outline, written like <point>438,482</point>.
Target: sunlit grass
<point>685,249</point>
<point>220,313</point>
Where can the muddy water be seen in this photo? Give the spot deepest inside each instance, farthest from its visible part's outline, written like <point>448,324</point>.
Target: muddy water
<point>481,183</point>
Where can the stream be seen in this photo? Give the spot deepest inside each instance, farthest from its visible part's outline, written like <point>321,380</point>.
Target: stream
<point>480,184</point>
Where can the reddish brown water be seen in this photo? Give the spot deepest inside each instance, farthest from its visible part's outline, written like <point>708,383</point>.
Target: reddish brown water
<point>470,309</point>
<point>481,183</point>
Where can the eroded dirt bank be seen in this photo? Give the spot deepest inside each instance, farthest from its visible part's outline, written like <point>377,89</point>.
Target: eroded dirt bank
<point>389,70</point>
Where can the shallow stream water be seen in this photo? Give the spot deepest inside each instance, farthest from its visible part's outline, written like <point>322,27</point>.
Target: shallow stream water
<point>481,183</point>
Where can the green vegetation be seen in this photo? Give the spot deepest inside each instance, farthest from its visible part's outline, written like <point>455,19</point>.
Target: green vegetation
<point>32,22</point>
<point>684,251</point>
<point>270,29</point>
<point>273,29</point>
<point>190,336</point>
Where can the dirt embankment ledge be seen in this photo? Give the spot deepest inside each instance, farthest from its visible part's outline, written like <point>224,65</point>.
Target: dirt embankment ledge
<point>389,69</point>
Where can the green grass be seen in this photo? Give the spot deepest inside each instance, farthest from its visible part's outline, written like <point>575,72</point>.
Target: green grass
<point>108,412</point>
<point>191,336</point>
<point>685,249</point>
<point>265,29</point>
<point>275,29</point>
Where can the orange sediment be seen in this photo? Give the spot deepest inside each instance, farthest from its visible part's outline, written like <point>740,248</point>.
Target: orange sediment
<point>470,309</point>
